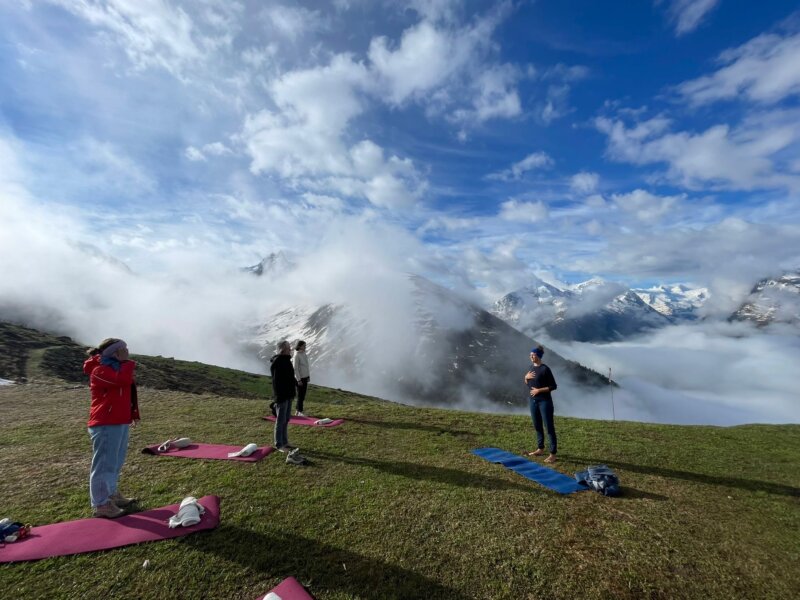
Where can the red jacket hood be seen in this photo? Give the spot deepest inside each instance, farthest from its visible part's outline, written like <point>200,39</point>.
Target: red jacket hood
<point>90,363</point>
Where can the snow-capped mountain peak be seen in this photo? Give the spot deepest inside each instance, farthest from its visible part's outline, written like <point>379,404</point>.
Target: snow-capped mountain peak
<point>275,263</point>
<point>678,301</point>
<point>773,299</point>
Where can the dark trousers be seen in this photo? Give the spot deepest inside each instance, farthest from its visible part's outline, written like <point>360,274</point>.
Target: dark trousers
<point>302,388</point>
<point>542,414</point>
<point>284,409</point>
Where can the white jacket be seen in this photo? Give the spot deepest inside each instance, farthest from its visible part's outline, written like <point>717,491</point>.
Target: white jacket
<point>301,368</point>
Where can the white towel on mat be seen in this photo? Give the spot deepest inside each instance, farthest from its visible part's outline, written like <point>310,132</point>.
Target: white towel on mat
<point>246,451</point>
<point>188,513</point>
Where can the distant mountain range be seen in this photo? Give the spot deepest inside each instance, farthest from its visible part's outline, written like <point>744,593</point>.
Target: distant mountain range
<point>772,300</point>
<point>451,351</point>
<point>596,310</point>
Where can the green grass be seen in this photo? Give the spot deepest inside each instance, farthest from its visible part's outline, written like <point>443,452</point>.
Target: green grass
<point>394,505</point>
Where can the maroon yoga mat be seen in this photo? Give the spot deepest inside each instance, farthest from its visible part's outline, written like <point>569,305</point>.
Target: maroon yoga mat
<point>89,535</point>
<point>307,421</point>
<point>212,451</point>
<point>289,589</point>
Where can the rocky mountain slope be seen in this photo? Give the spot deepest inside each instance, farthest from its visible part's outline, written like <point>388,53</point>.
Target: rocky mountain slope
<point>772,300</point>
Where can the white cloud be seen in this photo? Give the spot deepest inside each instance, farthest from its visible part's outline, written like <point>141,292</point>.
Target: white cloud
<point>556,103</point>
<point>448,223</point>
<point>446,67</point>
<point>710,358</point>
<point>151,32</point>
<point>763,70</point>
<point>294,21</point>
<point>304,141</point>
<point>584,182</point>
<point>686,15</point>
<point>495,96</point>
<point>746,157</point>
<point>100,165</point>
<point>194,155</point>
<point>647,207</point>
<point>523,212</point>
<point>535,160</point>
<point>425,59</point>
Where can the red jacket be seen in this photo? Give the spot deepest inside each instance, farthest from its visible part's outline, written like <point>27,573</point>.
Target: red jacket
<point>114,400</point>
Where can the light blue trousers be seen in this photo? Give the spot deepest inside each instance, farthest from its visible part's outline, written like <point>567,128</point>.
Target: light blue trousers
<point>109,447</point>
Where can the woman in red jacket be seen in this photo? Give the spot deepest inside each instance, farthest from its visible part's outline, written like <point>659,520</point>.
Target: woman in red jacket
<point>114,407</point>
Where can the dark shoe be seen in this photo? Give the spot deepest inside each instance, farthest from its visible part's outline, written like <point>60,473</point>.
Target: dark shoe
<point>109,510</point>
<point>120,500</point>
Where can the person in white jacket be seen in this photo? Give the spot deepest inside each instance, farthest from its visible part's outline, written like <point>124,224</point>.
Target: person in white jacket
<point>302,374</point>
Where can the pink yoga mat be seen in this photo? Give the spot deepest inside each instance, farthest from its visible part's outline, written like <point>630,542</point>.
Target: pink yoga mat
<point>212,451</point>
<point>90,535</point>
<point>307,421</point>
<point>289,589</point>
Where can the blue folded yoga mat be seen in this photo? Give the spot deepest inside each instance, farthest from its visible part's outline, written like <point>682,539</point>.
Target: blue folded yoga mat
<point>549,478</point>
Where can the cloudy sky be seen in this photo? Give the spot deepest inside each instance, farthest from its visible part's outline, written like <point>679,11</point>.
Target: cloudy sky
<point>645,142</point>
<point>150,148</point>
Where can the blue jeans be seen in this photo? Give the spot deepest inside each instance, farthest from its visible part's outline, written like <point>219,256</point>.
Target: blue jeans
<point>109,448</point>
<point>542,410</point>
<point>283,409</point>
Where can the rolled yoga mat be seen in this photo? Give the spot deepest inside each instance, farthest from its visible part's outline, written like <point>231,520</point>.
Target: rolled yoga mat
<point>549,478</point>
<point>90,535</point>
<point>311,421</point>
<point>288,589</point>
<point>211,451</point>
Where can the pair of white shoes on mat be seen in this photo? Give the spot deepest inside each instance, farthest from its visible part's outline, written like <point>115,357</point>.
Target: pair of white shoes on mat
<point>174,443</point>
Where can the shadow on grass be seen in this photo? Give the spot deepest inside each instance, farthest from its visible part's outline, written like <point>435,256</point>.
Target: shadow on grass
<point>750,485</point>
<point>317,565</point>
<point>406,425</point>
<point>426,472</point>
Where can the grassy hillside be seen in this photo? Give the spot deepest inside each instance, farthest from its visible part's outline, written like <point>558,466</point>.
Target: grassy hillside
<point>395,506</point>
<point>30,355</point>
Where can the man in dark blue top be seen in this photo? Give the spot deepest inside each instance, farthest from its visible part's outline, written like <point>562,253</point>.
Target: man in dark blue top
<point>541,382</point>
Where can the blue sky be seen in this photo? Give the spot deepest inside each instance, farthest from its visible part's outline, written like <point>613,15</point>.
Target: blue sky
<point>645,142</point>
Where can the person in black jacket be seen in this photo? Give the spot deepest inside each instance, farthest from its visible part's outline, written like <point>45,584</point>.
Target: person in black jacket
<point>284,387</point>
<point>541,382</point>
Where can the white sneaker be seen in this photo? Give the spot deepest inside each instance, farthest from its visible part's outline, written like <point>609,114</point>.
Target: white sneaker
<point>298,414</point>
<point>294,458</point>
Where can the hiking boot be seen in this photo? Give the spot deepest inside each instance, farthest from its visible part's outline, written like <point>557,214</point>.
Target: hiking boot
<point>294,458</point>
<point>109,510</point>
<point>120,500</point>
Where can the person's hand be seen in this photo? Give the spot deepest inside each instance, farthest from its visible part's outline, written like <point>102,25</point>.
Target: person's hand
<point>528,376</point>
<point>135,422</point>
<point>534,391</point>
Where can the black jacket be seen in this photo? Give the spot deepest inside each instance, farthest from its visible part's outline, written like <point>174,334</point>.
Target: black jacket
<point>284,385</point>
